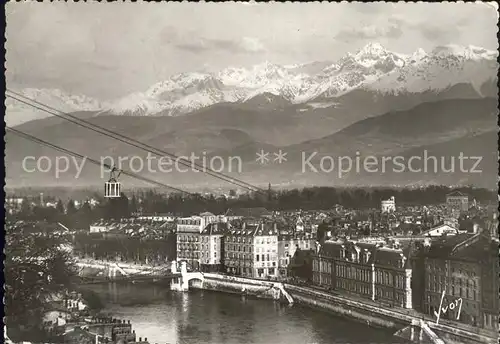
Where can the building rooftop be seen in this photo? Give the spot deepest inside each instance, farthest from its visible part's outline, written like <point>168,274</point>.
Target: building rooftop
<point>456,193</point>
<point>249,212</point>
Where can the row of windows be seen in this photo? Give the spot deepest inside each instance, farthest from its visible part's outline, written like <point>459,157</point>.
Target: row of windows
<point>353,273</point>
<point>240,256</point>
<point>464,270</point>
<point>384,293</point>
<point>195,238</point>
<point>384,277</point>
<point>207,254</point>
<point>469,293</point>
<point>359,288</point>
<point>470,282</point>
<point>361,274</point>
<point>490,321</point>
<point>189,222</point>
<point>249,240</point>
<point>301,244</point>
<point>188,254</point>
<point>239,248</point>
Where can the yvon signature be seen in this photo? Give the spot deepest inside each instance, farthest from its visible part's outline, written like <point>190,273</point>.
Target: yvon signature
<point>444,308</point>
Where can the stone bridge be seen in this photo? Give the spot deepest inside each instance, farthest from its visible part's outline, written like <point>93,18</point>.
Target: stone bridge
<point>181,279</point>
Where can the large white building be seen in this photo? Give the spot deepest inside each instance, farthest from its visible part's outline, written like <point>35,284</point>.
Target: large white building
<point>212,247</point>
<point>252,251</point>
<point>189,231</point>
<point>457,202</point>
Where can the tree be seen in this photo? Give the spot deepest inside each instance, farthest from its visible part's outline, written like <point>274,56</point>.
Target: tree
<point>26,209</point>
<point>322,230</point>
<point>71,208</point>
<point>36,268</point>
<point>133,206</point>
<point>86,210</point>
<point>60,207</point>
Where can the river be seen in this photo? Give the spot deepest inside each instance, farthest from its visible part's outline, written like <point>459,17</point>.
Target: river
<point>207,317</point>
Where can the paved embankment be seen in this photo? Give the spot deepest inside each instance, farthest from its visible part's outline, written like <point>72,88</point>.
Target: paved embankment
<point>373,315</point>
<point>380,316</point>
<point>236,285</point>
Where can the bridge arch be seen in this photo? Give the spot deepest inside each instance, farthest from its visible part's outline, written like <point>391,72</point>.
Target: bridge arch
<point>194,277</point>
<point>185,279</point>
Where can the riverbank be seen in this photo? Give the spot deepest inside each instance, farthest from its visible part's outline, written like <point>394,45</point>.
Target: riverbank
<point>372,315</point>
<point>207,317</point>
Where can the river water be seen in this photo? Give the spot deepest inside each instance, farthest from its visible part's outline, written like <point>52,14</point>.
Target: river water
<point>198,317</point>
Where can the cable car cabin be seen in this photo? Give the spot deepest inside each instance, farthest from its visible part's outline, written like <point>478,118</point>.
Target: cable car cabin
<point>112,189</point>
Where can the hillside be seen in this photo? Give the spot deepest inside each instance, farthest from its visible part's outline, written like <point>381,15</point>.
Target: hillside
<point>444,125</point>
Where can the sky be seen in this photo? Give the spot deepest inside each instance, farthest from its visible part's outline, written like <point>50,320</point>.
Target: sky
<point>108,50</point>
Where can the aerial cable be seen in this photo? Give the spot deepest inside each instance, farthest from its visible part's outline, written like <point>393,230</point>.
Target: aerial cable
<point>134,143</point>
<point>95,162</point>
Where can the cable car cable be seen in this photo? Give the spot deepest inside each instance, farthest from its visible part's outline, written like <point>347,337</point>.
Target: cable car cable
<point>66,151</point>
<point>135,143</point>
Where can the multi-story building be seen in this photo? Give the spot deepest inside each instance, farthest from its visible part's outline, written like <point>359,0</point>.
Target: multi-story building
<point>393,277</point>
<point>300,266</point>
<point>157,217</point>
<point>212,247</point>
<point>365,270</point>
<point>463,268</point>
<point>188,237</point>
<point>457,202</point>
<point>288,244</point>
<point>252,250</point>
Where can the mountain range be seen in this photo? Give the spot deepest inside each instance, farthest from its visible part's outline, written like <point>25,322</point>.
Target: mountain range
<point>373,103</point>
<point>373,73</point>
<point>445,128</point>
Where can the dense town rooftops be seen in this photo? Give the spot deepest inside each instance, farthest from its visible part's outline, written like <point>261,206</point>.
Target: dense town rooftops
<point>456,193</point>
<point>465,246</point>
<point>216,228</point>
<point>249,212</point>
<point>366,253</point>
<point>260,229</point>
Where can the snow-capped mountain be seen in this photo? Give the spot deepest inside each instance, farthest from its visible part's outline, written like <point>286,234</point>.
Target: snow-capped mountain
<point>442,68</point>
<point>372,68</point>
<point>17,112</point>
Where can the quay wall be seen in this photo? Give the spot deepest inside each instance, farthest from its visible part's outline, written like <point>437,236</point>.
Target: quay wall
<point>382,317</point>
<point>358,311</point>
<point>362,312</point>
<point>235,285</point>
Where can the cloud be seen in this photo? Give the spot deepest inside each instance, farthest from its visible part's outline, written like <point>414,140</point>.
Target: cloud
<point>194,42</point>
<point>244,45</point>
<point>438,34</point>
<point>393,30</point>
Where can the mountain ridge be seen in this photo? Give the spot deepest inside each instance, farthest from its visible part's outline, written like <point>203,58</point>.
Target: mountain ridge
<point>436,124</point>
<point>372,69</point>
